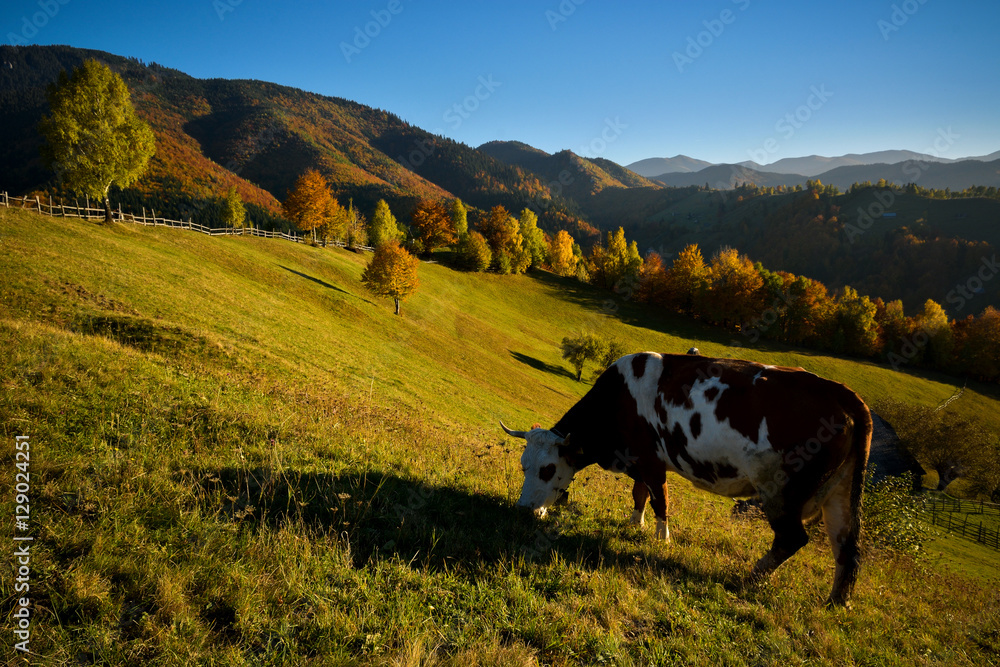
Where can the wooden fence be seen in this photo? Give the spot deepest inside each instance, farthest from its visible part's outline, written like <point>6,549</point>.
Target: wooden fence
<point>956,516</point>
<point>87,212</point>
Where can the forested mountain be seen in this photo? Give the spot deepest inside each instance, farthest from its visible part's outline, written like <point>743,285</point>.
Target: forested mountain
<point>260,137</point>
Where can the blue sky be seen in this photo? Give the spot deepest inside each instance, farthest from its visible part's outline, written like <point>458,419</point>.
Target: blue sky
<point>720,80</point>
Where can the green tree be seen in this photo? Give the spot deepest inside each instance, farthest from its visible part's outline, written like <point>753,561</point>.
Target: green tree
<point>581,349</point>
<point>383,226</point>
<point>93,138</point>
<point>391,272</point>
<point>856,329</point>
<point>355,227</point>
<point>474,252</point>
<point>532,238</point>
<point>459,218</point>
<point>233,211</point>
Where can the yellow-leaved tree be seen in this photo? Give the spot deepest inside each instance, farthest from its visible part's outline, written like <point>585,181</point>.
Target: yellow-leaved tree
<point>94,139</point>
<point>392,272</point>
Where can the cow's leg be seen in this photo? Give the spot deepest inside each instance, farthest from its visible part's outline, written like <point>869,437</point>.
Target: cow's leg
<point>639,494</point>
<point>658,501</point>
<point>843,531</point>
<point>789,537</point>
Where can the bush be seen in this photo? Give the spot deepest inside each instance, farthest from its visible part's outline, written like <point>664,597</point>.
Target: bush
<point>890,516</point>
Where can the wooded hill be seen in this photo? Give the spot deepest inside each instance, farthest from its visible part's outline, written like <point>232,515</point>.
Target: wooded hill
<point>259,137</point>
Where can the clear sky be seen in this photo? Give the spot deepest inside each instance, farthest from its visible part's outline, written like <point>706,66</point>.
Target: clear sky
<point>719,80</point>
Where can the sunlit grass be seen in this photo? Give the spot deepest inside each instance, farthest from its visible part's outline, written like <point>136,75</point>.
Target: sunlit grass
<point>241,457</point>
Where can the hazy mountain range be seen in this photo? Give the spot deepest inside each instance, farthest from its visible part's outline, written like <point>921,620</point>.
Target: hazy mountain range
<point>898,166</point>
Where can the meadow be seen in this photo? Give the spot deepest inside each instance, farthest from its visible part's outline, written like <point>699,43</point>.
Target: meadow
<point>240,457</point>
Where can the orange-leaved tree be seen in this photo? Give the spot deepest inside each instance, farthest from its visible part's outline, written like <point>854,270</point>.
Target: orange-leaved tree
<point>392,272</point>
<point>432,225</point>
<point>310,204</point>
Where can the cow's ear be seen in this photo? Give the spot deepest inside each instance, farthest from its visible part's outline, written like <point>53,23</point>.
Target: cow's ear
<point>569,451</point>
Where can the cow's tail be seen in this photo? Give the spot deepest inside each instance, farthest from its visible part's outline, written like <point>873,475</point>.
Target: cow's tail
<point>849,556</point>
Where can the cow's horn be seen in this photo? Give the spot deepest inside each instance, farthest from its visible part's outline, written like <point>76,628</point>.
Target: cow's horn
<point>513,434</point>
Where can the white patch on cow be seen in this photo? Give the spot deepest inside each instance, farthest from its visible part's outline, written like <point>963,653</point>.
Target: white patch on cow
<point>541,450</point>
<point>638,517</point>
<point>718,443</point>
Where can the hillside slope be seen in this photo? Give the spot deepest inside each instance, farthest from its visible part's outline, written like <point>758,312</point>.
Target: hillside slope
<point>239,456</point>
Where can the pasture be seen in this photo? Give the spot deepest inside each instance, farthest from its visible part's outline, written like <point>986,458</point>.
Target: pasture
<point>238,456</point>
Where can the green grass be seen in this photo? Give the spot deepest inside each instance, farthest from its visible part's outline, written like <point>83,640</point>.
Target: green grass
<point>241,457</point>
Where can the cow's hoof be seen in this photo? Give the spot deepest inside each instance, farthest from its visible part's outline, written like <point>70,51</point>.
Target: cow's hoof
<point>662,532</point>
<point>638,519</point>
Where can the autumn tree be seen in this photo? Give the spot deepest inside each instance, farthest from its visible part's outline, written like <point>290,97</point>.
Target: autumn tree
<point>977,345</point>
<point>391,272</point>
<point>310,204</point>
<point>503,233</point>
<point>654,285</point>
<point>809,312</point>
<point>687,278</point>
<point>561,256</point>
<point>933,321</point>
<point>432,226</point>
<point>233,211</point>
<point>474,252</point>
<point>734,289</point>
<point>334,224</point>
<point>383,226</point>
<point>615,262</point>
<point>93,137</point>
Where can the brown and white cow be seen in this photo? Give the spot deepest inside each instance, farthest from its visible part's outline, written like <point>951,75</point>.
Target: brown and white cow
<point>736,428</point>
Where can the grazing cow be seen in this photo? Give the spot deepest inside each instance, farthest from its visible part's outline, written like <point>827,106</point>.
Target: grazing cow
<point>737,428</point>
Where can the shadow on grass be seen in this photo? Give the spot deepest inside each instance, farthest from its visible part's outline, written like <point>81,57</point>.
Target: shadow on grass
<point>315,280</point>
<point>384,515</point>
<point>538,364</point>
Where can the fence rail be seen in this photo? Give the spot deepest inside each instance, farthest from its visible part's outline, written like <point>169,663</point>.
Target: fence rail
<point>955,516</point>
<point>87,212</point>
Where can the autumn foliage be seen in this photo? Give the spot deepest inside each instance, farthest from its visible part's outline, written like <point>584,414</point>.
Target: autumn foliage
<point>392,272</point>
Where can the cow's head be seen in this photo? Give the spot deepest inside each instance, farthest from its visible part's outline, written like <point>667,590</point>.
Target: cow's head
<point>548,468</point>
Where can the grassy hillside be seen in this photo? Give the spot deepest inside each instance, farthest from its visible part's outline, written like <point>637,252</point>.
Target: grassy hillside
<point>238,456</point>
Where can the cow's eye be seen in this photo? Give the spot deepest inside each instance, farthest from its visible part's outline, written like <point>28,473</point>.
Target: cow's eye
<point>545,473</point>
